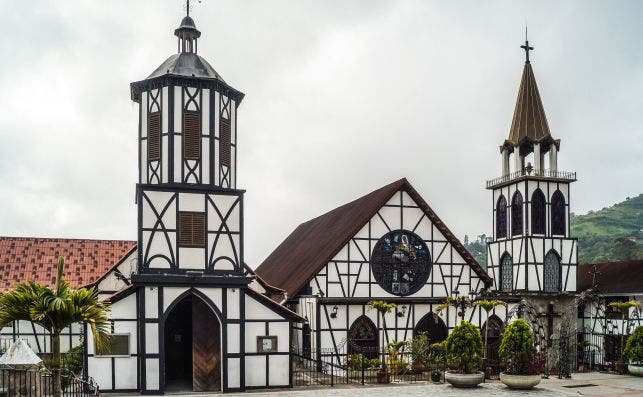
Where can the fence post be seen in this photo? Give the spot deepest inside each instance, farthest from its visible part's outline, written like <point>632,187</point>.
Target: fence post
<point>331,373</point>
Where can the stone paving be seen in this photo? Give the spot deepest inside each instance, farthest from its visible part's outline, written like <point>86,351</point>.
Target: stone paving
<point>603,385</point>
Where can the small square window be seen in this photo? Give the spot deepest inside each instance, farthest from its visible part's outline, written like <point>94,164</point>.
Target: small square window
<point>118,346</point>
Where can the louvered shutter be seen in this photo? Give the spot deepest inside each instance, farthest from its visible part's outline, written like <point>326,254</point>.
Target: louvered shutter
<point>225,142</point>
<point>154,137</point>
<point>192,135</point>
<point>191,229</point>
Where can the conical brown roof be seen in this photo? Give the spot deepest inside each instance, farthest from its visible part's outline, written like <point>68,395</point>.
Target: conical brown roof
<point>529,122</point>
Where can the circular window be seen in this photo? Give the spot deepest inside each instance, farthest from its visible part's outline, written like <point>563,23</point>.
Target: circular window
<point>401,262</point>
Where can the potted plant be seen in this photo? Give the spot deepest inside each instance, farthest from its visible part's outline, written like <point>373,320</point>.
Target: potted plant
<point>624,309</point>
<point>464,347</point>
<point>437,359</point>
<point>634,352</point>
<point>383,308</point>
<point>523,365</point>
<point>419,349</point>
<point>397,364</point>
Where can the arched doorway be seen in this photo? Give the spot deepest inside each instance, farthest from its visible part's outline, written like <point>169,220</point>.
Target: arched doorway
<point>433,326</point>
<point>363,338</point>
<point>493,337</point>
<point>192,346</point>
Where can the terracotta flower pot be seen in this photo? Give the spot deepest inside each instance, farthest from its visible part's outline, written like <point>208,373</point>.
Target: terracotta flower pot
<point>383,377</point>
<point>620,367</point>
<point>418,367</point>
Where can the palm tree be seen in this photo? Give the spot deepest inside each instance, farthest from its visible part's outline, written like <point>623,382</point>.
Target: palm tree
<point>383,308</point>
<point>56,309</point>
<point>487,305</point>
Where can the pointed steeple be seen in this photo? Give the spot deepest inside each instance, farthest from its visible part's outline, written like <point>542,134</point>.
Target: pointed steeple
<point>529,124</point>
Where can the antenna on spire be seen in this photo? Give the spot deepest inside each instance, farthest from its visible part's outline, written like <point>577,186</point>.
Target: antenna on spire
<point>187,6</point>
<point>525,47</point>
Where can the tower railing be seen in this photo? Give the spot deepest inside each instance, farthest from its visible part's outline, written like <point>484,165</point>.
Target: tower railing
<point>561,175</point>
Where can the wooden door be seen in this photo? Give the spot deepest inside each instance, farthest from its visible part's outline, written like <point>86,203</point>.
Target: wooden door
<point>206,348</point>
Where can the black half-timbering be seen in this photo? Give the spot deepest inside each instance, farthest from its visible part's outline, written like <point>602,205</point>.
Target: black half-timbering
<point>401,262</point>
<point>516,214</point>
<point>501,217</point>
<point>538,212</point>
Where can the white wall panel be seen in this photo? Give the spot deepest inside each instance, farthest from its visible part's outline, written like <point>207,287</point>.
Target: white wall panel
<point>279,374</point>
<point>255,370</point>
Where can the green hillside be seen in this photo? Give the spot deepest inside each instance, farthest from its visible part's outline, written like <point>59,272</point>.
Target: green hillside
<point>604,235</point>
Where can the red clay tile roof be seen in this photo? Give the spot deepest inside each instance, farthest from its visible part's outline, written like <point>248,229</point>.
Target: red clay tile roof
<point>314,243</point>
<point>34,259</point>
<point>613,278</point>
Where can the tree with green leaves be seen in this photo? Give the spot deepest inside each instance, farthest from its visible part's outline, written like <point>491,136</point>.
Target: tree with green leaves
<point>383,308</point>
<point>56,309</point>
<point>634,346</point>
<point>624,309</point>
<point>464,346</point>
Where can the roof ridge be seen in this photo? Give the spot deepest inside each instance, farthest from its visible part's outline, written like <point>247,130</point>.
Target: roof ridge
<point>62,239</point>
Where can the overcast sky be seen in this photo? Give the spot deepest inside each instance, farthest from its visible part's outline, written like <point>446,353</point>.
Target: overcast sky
<point>342,97</point>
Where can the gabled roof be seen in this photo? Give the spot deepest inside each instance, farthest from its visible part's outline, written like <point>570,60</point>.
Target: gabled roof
<point>529,123</point>
<point>612,277</point>
<point>34,259</point>
<point>314,243</point>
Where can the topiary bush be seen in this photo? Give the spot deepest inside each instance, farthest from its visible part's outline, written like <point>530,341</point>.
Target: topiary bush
<point>517,352</point>
<point>634,346</point>
<point>464,347</point>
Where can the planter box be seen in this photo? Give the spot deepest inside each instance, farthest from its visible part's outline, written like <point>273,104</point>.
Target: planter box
<point>464,380</point>
<point>520,381</point>
<point>636,370</point>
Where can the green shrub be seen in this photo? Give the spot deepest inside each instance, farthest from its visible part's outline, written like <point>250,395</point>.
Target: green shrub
<point>634,346</point>
<point>464,347</point>
<point>517,349</point>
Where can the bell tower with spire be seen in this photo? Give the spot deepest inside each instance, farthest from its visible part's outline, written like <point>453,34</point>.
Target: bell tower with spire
<point>531,250</point>
<point>190,212</point>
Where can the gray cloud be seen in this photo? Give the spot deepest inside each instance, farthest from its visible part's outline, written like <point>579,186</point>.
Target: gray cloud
<point>342,97</point>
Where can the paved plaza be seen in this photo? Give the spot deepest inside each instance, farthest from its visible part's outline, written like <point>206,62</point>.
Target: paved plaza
<point>602,385</point>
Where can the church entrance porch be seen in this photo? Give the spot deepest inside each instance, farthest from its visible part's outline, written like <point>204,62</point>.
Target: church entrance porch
<point>192,347</point>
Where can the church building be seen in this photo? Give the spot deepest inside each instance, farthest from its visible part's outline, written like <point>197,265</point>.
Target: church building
<point>188,314</point>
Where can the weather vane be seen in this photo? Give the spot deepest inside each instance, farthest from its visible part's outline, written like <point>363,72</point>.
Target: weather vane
<point>525,47</point>
<point>187,6</point>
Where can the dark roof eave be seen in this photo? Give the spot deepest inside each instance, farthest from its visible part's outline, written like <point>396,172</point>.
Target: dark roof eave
<point>207,82</point>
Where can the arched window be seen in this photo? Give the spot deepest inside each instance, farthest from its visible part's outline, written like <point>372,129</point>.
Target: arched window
<point>558,213</point>
<point>538,212</point>
<point>501,217</point>
<point>435,328</point>
<point>516,214</point>
<point>551,282</point>
<point>363,338</point>
<point>492,337</point>
<point>506,273</point>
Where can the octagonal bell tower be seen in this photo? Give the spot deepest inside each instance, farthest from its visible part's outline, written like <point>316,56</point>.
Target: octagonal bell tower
<point>189,209</point>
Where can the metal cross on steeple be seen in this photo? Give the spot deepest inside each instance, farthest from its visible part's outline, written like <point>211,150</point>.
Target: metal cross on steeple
<point>525,47</point>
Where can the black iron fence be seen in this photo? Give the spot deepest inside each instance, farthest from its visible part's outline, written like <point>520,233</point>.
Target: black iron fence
<point>339,368</point>
<point>15,382</point>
